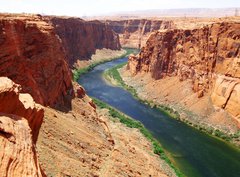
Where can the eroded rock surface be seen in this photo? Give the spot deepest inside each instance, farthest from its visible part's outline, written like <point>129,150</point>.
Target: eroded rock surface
<point>82,38</point>
<point>31,55</point>
<point>20,121</point>
<point>74,140</point>
<point>88,142</point>
<point>209,57</point>
<point>135,32</point>
<point>226,95</point>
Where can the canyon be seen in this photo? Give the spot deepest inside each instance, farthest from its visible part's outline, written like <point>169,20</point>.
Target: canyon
<point>48,125</point>
<point>31,56</point>
<point>194,70</point>
<point>81,38</point>
<point>88,142</point>
<point>133,33</point>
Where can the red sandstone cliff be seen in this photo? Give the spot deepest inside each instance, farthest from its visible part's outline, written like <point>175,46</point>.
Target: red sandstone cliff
<point>208,56</point>
<point>134,33</point>
<point>76,142</point>
<point>20,121</point>
<point>81,38</point>
<point>32,56</point>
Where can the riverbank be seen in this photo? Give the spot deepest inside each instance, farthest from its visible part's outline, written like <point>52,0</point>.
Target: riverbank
<point>115,76</point>
<point>93,143</point>
<point>100,57</point>
<point>164,162</point>
<point>193,152</point>
<point>117,116</point>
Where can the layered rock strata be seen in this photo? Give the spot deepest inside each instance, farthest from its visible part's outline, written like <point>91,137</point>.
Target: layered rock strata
<point>74,140</point>
<point>209,57</point>
<point>82,38</point>
<point>20,121</point>
<point>134,33</point>
<point>32,56</point>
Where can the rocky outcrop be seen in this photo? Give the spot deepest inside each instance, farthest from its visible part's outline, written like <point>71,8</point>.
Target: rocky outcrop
<point>134,33</point>
<point>31,55</point>
<point>22,105</point>
<point>208,56</point>
<point>226,95</point>
<point>81,38</point>
<point>20,121</point>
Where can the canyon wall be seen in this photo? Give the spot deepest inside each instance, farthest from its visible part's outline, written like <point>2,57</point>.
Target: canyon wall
<point>73,140</point>
<point>209,57</point>
<point>32,56</point>
<point>134,33</point>
<point>20,121</point>
<point>81,38</point>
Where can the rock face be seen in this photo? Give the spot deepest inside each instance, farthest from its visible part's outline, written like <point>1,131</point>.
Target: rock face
<point>75,142</point>
<point>31,55</point>
<point>226,95</point>
<point>20,120</point>
<point>208,56</point>
<point>134,33</point>
<point>21,105</point>
<point>87,142</point>
<point>81,38</point>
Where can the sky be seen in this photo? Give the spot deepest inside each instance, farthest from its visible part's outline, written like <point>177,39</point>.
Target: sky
<point>100,7</point>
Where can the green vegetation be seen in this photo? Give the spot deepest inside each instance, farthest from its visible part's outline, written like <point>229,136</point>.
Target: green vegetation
<point>78,72</point>
<point>214,131</point>
<point>168,111</point>
<point>131,51</point>
<point>129,122</point>
<point>113,73</point>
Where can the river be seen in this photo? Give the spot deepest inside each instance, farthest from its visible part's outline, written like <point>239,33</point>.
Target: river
<point>195,153</point>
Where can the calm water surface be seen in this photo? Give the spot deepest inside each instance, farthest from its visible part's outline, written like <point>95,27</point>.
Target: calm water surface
<point>193,152</point>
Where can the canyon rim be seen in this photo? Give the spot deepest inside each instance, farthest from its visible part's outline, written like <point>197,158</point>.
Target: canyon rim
<point>181,63</point>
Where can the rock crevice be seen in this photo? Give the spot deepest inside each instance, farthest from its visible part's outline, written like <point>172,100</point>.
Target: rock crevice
<point>20,121</point>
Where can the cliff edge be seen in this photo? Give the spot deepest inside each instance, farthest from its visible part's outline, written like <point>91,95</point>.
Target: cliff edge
<point>202,64</point>
<point>81,38</point>
<point>74,138</point>
<point>20,121</point>
<point>32,56</point>
<point>134,33</point>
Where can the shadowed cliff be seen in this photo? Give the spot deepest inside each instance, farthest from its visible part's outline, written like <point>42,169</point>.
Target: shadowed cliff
<point>82,38</point>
